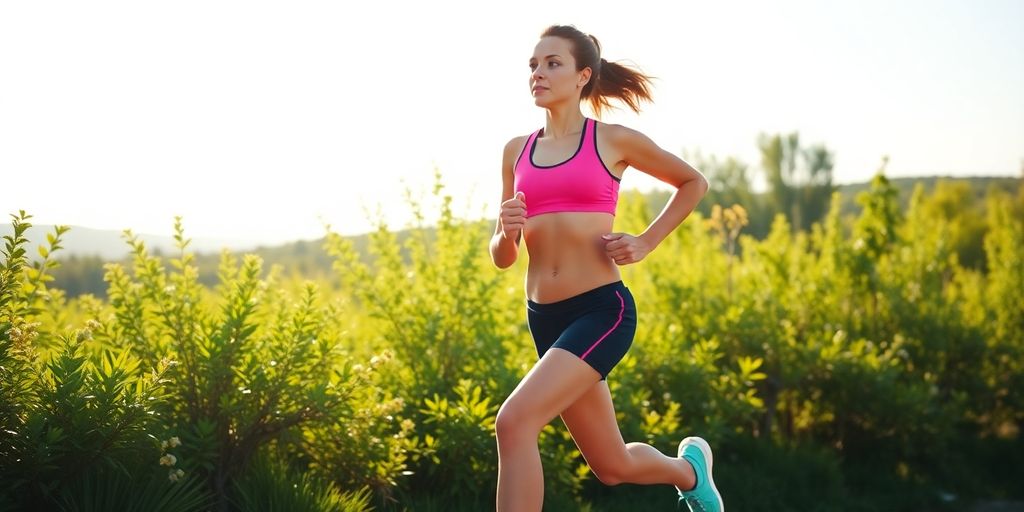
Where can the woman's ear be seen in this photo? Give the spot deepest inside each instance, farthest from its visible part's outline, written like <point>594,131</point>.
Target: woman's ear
<point>584,77</point>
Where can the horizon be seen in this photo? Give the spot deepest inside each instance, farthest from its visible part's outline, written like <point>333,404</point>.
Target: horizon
<point>243,244</point>
<point>263,112</point>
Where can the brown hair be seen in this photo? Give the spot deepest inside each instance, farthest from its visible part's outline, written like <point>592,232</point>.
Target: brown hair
<point>607,79</point>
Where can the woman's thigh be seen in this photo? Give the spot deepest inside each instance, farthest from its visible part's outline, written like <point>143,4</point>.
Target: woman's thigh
<point>556,381</point>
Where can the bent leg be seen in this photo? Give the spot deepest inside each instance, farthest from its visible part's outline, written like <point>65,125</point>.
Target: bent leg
<point>555,381</point>
<point>591,421</point>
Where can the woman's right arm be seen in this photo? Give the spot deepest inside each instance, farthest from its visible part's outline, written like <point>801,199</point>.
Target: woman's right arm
<point>505,250</point>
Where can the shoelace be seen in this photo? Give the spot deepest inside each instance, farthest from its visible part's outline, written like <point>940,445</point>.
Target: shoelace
<point>694,502</point>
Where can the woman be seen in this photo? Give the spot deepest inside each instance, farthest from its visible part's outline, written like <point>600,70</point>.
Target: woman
<point>560,188</point>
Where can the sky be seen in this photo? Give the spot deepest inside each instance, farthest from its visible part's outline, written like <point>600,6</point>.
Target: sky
<point>266,121</point>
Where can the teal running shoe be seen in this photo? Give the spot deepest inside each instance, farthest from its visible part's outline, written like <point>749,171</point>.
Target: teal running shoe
<point>704,497</point>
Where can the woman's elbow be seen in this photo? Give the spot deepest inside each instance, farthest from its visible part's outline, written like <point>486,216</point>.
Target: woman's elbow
<point>694,185</point>
<point>503,265</point>
<point>502,259</point>
<point>700,183</point>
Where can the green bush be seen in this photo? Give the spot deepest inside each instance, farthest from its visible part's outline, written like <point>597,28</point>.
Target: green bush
<point>146,491</point>
<point>268,485</point>
<point>868,363</point>
<point>73,411</point>
<point>258,362</point>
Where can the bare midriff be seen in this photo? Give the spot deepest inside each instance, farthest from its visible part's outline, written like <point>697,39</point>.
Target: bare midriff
<point>567,254</point>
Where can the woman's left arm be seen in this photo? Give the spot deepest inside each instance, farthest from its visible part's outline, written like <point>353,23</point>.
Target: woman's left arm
<point>641,153</point>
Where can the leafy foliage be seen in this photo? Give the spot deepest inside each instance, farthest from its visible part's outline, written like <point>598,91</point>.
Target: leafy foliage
<point>872,358</point>
<point>269,485</point>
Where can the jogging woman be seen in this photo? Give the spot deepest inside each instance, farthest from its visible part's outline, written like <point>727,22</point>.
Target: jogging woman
<point>559,191</point>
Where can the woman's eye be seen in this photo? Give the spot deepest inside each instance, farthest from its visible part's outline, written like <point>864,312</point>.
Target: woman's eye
<point>553,64</point>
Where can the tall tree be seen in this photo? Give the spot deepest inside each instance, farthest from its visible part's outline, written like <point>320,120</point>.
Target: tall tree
<point>728,180</point>
<point>800,180</point>
<point>817,190</point>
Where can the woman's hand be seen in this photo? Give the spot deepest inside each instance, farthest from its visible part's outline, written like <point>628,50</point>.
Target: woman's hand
<point>624,248</point>
<point>513,216</point>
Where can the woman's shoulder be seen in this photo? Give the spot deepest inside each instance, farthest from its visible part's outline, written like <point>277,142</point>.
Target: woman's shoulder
<point>515,145</point>
<point>517,141</point>
<point>616,134</point>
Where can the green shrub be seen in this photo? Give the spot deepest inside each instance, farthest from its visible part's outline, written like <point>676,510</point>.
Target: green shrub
<point>859,365</point>
<point>146,491</point>
<point>69,413</point>
<point>257,362</point>
<point>268,485</point>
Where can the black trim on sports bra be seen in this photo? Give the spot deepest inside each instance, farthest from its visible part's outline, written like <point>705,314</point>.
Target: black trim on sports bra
<point>599,159</point>
<point>583,134</point>
<point>519,158</point>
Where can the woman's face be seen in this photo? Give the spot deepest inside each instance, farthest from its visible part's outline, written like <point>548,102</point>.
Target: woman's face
<point>554,77</point>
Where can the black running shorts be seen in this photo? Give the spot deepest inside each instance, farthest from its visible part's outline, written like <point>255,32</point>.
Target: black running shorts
<point>597,325</point>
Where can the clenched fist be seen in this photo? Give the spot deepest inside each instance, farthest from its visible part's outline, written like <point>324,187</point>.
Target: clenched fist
<point>513,216</point>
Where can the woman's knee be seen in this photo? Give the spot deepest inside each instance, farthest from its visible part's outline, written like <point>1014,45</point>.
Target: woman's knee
<point>515,423</point>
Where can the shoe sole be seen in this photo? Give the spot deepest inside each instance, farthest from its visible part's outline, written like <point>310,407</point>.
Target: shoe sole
<point>705,448</point>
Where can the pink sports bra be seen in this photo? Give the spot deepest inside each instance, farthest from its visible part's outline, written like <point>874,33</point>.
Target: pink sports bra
<point>580,184</point>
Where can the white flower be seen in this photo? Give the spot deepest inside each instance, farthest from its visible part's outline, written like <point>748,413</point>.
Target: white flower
<point>173,475</point>
<point>168,460</point>
<point>174,441</point>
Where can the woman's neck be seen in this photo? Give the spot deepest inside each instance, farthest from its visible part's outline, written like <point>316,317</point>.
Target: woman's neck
<point>562,122</point>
